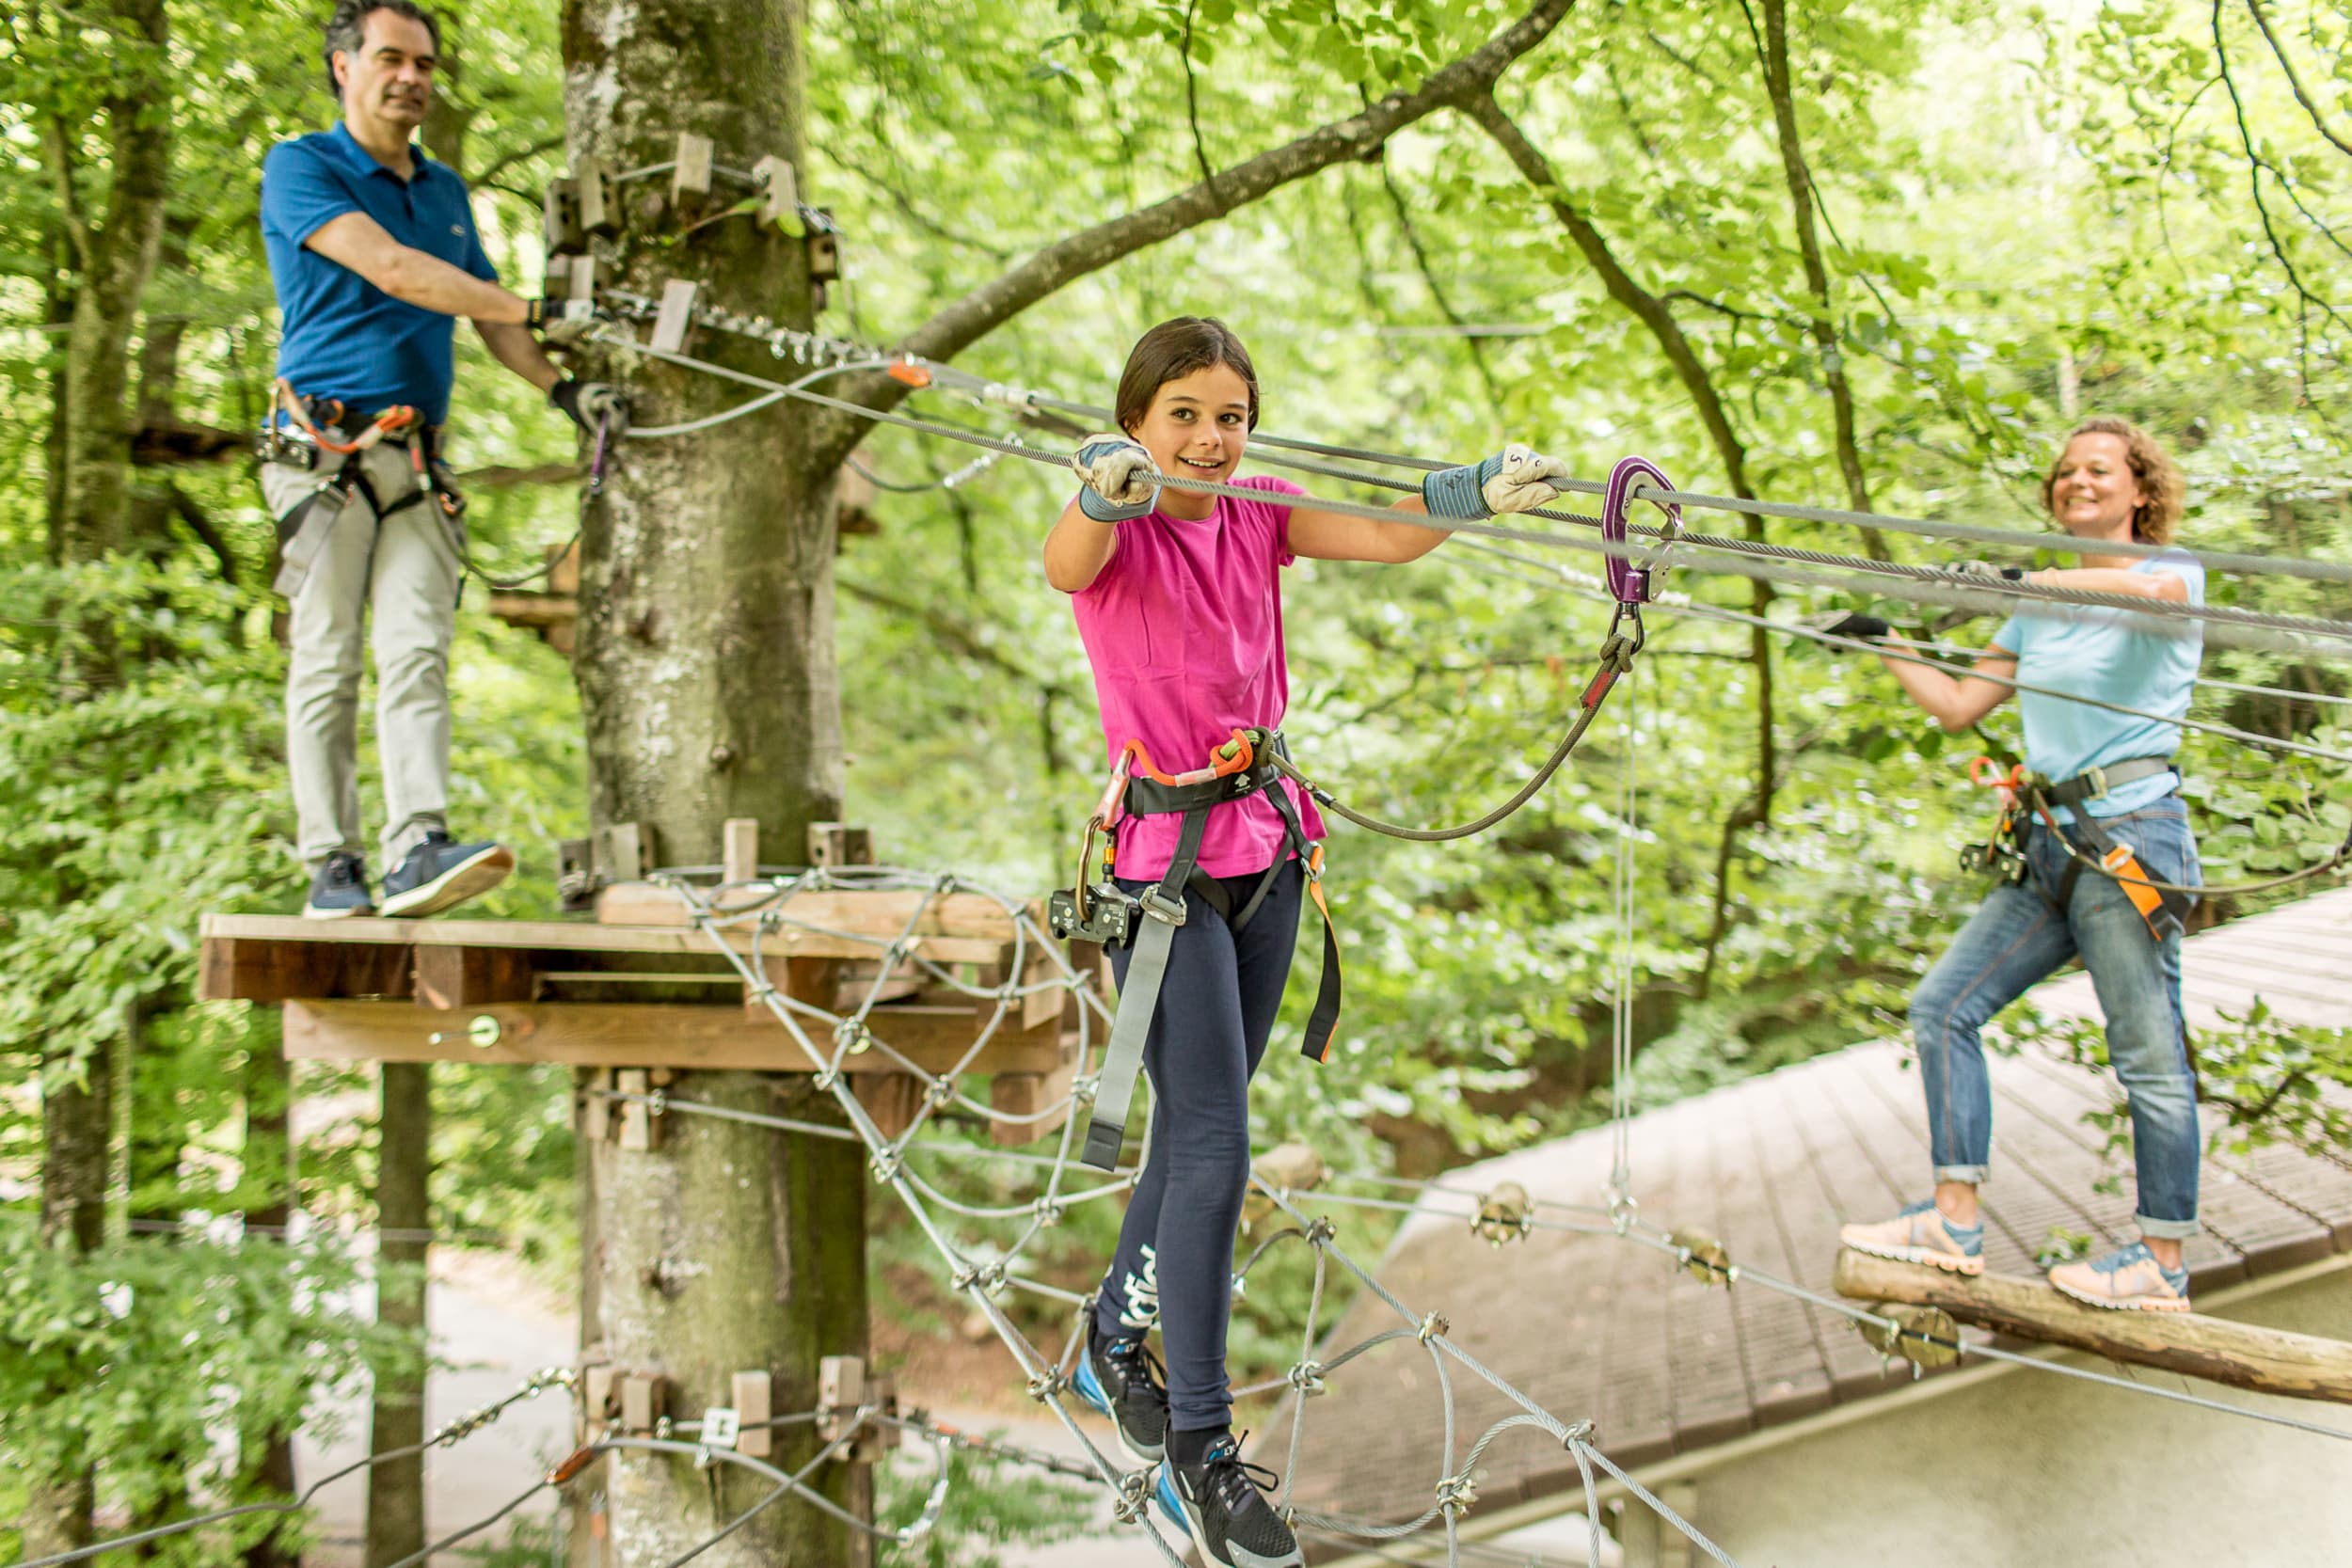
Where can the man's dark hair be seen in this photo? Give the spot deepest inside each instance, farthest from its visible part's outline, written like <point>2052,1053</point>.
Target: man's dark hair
<point>347,29</point>
<point>1175,349</point>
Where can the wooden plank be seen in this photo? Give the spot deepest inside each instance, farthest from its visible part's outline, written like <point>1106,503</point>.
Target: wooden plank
<point>1025,1094</point>
<point>259,968</point>
<point>569,936</point>
<point>892,1099</point>
<point>955,928</point>
<point>623,1034</point>
<point>470,976</point>
<point>2242,1355</point>
<point>738,849</point>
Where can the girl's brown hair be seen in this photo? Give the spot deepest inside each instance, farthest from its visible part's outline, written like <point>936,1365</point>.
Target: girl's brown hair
<point>1173,350</point>
<point>2157,518</point>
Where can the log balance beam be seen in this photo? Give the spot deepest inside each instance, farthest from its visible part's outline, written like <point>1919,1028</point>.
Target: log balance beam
<point>2266,1360</point>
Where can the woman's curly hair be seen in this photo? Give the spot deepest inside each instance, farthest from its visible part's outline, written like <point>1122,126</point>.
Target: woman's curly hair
<point>2157,518</point>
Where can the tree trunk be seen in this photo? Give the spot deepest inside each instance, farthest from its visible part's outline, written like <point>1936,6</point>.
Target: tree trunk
<point>268,1179</point>
<point>708,687</point>
<point>404,1162</point>
<point>75,1124</point>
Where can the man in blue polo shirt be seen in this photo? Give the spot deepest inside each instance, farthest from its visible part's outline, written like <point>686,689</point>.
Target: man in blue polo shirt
<point>372,248</point>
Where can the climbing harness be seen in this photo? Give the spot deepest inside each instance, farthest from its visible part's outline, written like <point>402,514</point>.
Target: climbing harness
<point>313,427</point>
<point>2003,852</point>
<point>1097,908</point>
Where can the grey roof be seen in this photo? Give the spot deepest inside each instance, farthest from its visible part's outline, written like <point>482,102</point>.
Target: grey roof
<point>1593,1326</point>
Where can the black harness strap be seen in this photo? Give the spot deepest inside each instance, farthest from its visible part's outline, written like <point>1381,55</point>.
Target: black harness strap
<point>1163,908</point>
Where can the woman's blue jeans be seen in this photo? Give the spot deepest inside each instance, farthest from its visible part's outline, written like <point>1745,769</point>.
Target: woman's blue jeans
<point>2015,940</point>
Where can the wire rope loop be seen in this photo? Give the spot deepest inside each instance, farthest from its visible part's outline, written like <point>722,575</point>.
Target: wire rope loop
<point>1623,1210</point>
<point>1630,584</point>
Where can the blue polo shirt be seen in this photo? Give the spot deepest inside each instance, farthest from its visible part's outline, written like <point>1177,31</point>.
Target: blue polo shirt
<point>341,335</point>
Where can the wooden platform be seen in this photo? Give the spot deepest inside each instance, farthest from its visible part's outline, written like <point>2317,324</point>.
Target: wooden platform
<point>657,996</point>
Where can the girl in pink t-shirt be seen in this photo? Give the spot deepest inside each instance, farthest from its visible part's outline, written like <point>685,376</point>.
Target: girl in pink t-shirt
<point>1179,600</point>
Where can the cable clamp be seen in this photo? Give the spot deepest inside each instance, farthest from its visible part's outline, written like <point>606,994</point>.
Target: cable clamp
<point>1320,1230</point>
<point>886,1166</point>
<point>1083,1090</point>
<point>1135,1495</point>
<point>1434,1326</point>
<point>1704,1257</point>
<point>1579,1433</point>
<point>1306,1377</point>
<point>942,1093</point>
<point>1623,1210</point>
<point>1045,1385</point>
<point>825,1080</point>
<point>1455,1494</point>
<point>1502,1215</point>
<point>1048,1210</point>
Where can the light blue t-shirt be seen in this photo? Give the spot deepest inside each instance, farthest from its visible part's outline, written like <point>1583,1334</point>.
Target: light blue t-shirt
<point>2141,661</point>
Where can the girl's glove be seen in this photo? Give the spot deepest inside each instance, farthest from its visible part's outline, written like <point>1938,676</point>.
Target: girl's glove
<point>1840,623</point>
<point>1121,481</point>
<point>1517,479</point>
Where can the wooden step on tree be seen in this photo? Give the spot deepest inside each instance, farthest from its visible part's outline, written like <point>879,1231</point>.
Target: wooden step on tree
<point>582,992</point>
<point>2218,1350</point>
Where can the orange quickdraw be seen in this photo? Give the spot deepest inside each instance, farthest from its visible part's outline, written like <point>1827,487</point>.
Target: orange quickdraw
<point>392,422</point>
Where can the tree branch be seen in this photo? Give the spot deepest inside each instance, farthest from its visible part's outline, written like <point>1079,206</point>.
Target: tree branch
<point>499,166</point>
<point>1801,199</point>
<point>1457,84</point>
<point>192,517</point>
<point>1437,292</point>
<point>2293,79</point>
<point>1192,100</point>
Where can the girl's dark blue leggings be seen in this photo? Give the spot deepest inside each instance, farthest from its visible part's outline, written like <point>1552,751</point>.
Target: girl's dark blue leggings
<point>1175,1259</point>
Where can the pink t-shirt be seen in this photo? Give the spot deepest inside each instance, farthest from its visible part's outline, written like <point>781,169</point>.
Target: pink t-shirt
<point>1184,630</point>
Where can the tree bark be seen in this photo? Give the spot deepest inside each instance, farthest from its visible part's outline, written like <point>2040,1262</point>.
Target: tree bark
<point>76,1121</point>
<point>267,1181</point>
<point>403,1215</point>
<point>1801,201</point>
<point>115,256</point>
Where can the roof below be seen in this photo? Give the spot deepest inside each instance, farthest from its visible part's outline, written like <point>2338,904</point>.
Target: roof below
<point>1589,1326</point>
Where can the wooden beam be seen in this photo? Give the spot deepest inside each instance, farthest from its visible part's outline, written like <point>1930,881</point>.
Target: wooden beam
<point>892,1099</point>
<point>739,851</point>
<point>1025,1094</point>
<point>2242,1355</point>
<point>259,968</point>
<point>559,936</point>
<point>955,928</point>
<point>470,976</point>
<point>632,1035</point>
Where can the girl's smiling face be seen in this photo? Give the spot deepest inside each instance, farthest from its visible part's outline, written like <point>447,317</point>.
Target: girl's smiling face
<point>2093,493</point>
<point>1197,425</point>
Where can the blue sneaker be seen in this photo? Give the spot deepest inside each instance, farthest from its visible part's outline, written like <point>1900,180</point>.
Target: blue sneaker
<point>1121,1379</point>
<point>339,889</point>
<point>439,875</point>
<point>1220,1503</point>
<point>1920,1234</point>
<point>2127,1280</point>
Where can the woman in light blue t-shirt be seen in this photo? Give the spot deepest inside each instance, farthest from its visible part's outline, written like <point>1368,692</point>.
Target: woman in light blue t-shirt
<point>2113,481</point>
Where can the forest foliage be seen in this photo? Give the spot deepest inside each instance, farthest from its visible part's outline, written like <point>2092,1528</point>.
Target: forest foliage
<point>2022,214</point>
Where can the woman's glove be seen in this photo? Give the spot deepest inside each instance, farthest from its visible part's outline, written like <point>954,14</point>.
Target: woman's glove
<point>1517,479</point>
<point>1965,569</point>
<point>1840,623</point>
<point>1121,481</point>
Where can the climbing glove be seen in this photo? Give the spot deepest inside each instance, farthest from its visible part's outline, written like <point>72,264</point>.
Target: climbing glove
<point>560,322</point>
<point>586,402</point>
<point>1517,479</point>
<point>1981,569</point>
<point>1840,623</point>
<point>1120,479</point>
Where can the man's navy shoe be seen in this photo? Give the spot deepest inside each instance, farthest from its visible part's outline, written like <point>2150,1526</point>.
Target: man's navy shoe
<point>439,875</point>
<point>1121,1379</point>
<point>1220,1503</point>
<point>339,889</point>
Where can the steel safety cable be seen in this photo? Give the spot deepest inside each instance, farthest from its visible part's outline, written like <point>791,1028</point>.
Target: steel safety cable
<point>1017,397</point>
<point>2219,890</point>
<point>1741,557</point>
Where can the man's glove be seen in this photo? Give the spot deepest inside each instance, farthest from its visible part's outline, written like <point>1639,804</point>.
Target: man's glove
<point>560,322</point>
<point>1840,623</point>
<point>1981,569</point>
<point>1517,479</point>
<point>1120,479</point>
<point>586,402</point>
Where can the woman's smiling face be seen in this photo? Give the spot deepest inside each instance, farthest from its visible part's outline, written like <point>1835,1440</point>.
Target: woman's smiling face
<point>1197,425</point>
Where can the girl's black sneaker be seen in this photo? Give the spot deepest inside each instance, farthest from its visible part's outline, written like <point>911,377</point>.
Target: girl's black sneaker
<point>1121,1378</point>
<point>1220,1502</point>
